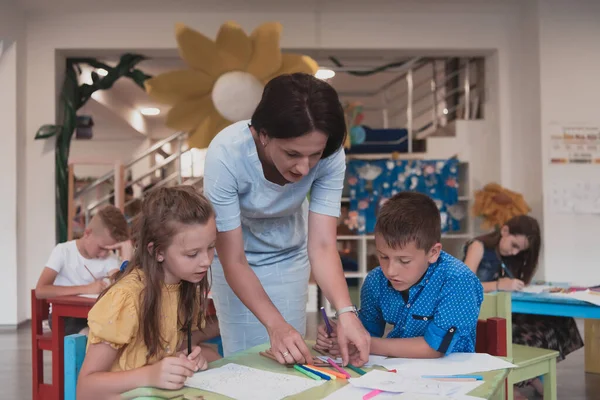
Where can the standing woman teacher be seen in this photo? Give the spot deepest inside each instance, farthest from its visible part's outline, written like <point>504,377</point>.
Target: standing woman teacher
<point>258,175</point>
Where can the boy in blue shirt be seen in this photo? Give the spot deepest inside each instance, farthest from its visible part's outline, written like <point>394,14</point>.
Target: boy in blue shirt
<point>430,298</point>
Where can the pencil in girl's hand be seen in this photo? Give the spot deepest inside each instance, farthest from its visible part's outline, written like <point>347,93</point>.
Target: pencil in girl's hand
<point>189,335</point>
<point>327,324</point>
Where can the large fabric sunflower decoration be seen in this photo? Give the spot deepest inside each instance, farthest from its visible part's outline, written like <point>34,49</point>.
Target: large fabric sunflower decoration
<point>497,205</point>
<point>225,79</point>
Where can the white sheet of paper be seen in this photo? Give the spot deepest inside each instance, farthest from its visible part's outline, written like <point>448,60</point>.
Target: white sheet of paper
<point>246,383</point>
<point>403,383</point>
<point>350,392</point>
<point>453,364</point>
<point>373,360</point>
<point>587,296</point>
<point>90,296</point>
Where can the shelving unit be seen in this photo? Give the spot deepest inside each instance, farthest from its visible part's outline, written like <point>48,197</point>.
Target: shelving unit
<point>452,242</point>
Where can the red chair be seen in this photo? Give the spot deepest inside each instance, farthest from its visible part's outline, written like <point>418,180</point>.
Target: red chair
<point>40,341</point>
<point>491,337</point>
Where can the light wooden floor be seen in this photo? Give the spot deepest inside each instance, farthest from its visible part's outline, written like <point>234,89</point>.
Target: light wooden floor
<point>15,368</point>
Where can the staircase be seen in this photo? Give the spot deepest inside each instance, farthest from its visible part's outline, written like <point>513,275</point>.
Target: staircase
<point>423,99</point>
<point>125,185</point>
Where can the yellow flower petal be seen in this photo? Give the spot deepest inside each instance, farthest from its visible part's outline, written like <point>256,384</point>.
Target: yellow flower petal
<point>198,51</point>
<point>266,55</point>
<point>188,115</point>
<point>292,63</point>
<point>235,47</point>
<point>207,130</point>
<point>176,86</point>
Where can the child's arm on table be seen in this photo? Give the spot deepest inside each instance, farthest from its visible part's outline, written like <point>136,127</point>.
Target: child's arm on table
<point>96,382</point>
<point>46,289</point>
<point>472,260</point>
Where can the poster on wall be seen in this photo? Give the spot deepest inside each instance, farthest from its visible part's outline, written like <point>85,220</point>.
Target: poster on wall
<point>575,144</point>
<point>576,197</point>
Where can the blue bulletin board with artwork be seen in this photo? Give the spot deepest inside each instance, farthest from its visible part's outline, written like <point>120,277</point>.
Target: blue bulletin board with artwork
<point>372,182</point>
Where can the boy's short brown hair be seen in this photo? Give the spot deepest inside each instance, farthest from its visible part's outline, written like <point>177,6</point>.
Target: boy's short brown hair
<point>113,219</point>
<point>409,217</point>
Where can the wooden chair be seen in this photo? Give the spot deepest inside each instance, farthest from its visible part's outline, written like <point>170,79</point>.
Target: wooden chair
<point>40,341</point>
<point>531,362</point>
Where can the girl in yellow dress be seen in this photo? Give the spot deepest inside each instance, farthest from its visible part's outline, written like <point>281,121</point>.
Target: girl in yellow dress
<point>139,326</point>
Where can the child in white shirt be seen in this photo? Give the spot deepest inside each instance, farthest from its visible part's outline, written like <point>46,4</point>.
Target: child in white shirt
<point>81,266</point>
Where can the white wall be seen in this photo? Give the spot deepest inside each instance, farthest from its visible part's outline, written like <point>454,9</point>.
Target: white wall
<point>12,160</point>
<point>8,164</point>
<point>569,56</point>
<point>479,28</point>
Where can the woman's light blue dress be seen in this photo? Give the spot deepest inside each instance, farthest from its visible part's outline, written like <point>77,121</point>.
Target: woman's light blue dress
<point>274,221</point>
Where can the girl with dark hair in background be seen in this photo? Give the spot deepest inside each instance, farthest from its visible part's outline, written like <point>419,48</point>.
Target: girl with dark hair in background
<point>259,175</point>
<point>506,260</point>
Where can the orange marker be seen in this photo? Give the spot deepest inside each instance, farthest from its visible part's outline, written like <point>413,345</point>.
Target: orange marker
<point>324,371</point>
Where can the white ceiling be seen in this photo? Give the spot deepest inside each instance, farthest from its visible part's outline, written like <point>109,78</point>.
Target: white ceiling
<point>39,6</point>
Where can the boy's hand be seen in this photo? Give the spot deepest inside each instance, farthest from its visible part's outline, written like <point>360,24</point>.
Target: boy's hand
<point>196,358</point>
<point>125,249</point>
<point>327,343</point>
<point>95,287</point>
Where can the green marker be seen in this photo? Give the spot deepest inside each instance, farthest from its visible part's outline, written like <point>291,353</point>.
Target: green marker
<point>307,373</point>
<point>356,369</point>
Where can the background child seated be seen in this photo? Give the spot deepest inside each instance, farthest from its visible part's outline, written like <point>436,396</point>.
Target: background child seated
<point>139,326</point>
<point>430,298</point>
<point>506,260</point>
<point>80,266</point>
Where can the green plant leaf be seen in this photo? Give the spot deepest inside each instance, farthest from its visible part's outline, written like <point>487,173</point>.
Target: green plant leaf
<point>47,131</point>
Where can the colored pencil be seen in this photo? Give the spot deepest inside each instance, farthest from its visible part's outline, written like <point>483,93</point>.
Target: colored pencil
<point>88,270</point>
<point>322,371</point>
<point>327,324</point>
<point>307,373</point>
<point>508,273</point>
<point>340,370</point>
<point>317,373</point>
<point>371,394</point>
<point>356,369</point>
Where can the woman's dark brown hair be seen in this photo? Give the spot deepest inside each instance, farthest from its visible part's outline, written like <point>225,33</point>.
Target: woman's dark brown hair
<point>164,210</point>
<point>524,264</point>
<point>293,105</point>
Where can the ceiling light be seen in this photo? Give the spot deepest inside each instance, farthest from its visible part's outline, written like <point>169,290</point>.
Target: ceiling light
<point>324,73</point>
<point>445,111</point>
<point>102,72</point>
<point>150,111</point>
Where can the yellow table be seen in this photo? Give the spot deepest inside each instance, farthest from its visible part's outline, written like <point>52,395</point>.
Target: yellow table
<point>493,388</point>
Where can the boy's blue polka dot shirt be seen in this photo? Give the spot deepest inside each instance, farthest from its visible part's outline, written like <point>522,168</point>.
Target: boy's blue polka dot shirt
<point>443,307</point>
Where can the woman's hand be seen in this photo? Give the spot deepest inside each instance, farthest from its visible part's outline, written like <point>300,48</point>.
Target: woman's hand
<point>170,372</point>
<point>288,346</point>
<point>354,340</point>
<point>510,285</point>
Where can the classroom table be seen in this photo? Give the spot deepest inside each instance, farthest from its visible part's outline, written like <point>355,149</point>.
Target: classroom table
<point>493,388</point>
<point>546,304</point>
<point>64,306</point>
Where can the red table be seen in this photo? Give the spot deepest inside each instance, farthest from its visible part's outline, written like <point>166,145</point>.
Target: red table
<point>64,306</point>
